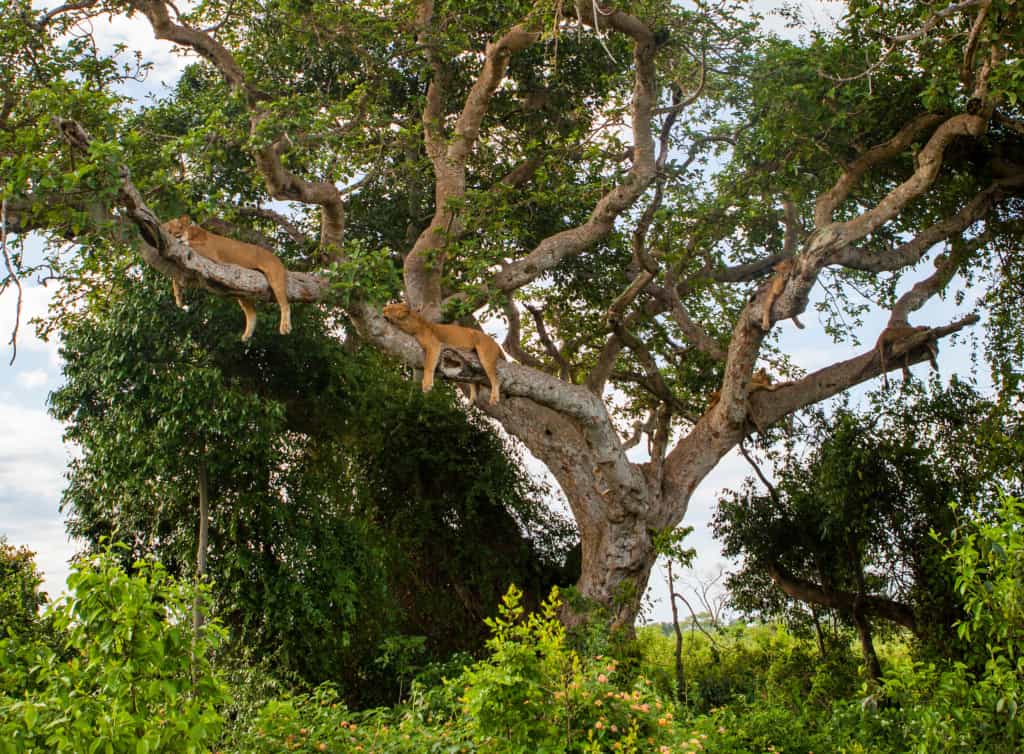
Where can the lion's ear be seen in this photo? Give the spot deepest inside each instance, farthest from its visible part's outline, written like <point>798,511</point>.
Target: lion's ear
<point>185,219</point>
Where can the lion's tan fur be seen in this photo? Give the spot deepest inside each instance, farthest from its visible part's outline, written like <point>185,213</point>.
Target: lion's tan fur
<point>892,335</point>
<point>431,335</point>
<point>782,271</point>
<point>247,255</point>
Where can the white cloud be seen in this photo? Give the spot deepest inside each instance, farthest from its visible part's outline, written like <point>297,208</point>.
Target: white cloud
<point>33,378</point>
<point>33,459</point>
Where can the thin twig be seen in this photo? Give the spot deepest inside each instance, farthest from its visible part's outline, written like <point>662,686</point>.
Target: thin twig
<point>11,276</point>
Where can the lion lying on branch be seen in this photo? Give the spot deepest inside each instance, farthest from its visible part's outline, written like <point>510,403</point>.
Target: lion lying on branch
<point>431,335</point>
<point>247,255</point>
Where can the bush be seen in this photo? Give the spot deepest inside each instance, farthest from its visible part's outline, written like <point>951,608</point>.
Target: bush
<point>129,674</point>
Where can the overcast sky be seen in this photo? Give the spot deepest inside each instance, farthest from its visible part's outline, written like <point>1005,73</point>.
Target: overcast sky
<point>33,456</point>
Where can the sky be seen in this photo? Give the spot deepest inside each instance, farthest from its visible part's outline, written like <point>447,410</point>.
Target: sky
<point>33,456</point>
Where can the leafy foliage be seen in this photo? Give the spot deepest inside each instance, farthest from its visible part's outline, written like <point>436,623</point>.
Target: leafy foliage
<point>338,524</point>
<point>129,675</point>
<point>20,597</point>
<point>856,510</point>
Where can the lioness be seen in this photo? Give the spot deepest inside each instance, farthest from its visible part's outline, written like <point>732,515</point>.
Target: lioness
<point>430,336</point>
<point>230,251</point>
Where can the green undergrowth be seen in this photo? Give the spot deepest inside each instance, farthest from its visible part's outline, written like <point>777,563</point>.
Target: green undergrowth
<point>117,666</point>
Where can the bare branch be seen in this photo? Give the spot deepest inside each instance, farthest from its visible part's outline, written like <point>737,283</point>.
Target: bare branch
<point>831,199</point>
<point>564,368</point>
<point>44,20</point>
<point>693,332</point>
<point>967,69</point>
<point>12,276</point>
<point>654,382</point>
<point>513,342</point>
<point>278,219</point>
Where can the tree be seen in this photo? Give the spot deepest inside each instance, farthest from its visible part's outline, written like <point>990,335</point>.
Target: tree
<point>630,176</point>
<point>856,521</point>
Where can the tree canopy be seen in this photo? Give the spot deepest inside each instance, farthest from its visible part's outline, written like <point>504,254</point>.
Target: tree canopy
<point>636,193</point>
<point>858,521</point>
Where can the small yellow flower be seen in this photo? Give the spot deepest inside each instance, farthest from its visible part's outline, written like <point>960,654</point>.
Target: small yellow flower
<point>599,725</point>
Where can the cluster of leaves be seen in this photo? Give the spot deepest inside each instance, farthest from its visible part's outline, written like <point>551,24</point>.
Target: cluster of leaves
<point>532,692</point>
<point>338,524</point>
<point>20,597</point>
<point>126,672</point>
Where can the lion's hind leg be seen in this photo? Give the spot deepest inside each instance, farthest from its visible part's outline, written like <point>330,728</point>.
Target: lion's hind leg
<point>488,353</point>
<point>278,279</point>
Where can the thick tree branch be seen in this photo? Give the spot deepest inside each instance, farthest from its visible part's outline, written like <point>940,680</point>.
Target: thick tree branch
<point>770,407</point>
<point>424,264</point>
<point>912,251</point>
<point>552,250</point>
<point>831,199</point>
<point>806,591</point>
<point>168,255</point>
<point>575,402</point>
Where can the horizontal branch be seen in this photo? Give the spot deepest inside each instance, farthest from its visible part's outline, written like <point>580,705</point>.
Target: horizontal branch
<point>807,591</point>
<point>911,252</point>
<point>770,407</point>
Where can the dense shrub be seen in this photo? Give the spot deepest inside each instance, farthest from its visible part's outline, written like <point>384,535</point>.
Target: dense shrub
<point>129,674</point>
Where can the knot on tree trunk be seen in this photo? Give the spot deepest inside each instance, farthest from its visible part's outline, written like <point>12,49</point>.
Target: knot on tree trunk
<point>460,366</point>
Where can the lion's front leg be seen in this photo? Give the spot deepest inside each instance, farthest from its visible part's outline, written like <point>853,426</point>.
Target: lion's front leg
<point>250,317</point>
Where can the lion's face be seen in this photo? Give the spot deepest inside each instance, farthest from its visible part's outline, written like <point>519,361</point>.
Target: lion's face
<point>178,227</point>
<point>396,312</point>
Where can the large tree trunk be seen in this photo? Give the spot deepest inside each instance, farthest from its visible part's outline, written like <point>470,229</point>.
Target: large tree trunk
<point>617,561</point>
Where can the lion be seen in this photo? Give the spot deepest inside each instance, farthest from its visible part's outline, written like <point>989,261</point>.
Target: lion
<point>430,336</point>
<point>896,333</point>
<point>247,255</point>
<point>781,271</point>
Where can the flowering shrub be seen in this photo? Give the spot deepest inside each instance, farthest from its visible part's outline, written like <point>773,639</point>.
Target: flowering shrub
<point>534,693</point>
